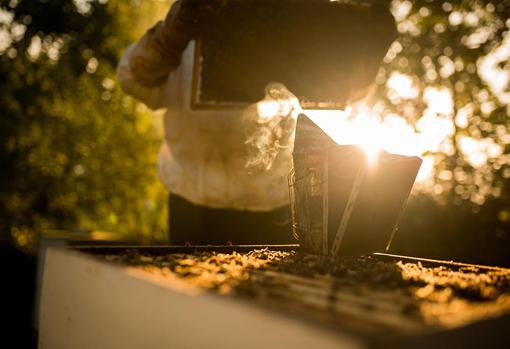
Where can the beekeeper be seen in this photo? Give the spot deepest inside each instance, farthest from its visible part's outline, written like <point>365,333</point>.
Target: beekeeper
<point>214,199</point>
<point>227,170</point>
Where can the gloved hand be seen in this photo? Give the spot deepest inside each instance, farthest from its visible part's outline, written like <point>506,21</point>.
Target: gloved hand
<point>182,24</point>
<point>160,50</point>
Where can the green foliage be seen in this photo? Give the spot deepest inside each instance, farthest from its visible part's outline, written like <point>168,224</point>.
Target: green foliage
<point>76,151</point>
<point>444,46</point>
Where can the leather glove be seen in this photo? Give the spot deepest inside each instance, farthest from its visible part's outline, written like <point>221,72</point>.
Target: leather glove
<point>159,51</point>
<point>182,24</point>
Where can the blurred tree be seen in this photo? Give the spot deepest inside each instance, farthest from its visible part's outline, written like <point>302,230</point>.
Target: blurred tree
<point>75,151</point>
<point>446,75</point>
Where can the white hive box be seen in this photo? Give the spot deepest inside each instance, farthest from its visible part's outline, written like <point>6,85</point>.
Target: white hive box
<point>102,297</point>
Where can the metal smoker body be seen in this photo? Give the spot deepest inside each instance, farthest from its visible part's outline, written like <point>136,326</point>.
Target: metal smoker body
<point>341,203</point>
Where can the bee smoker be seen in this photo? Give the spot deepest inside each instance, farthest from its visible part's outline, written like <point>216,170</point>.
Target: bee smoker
<point>342,204</point>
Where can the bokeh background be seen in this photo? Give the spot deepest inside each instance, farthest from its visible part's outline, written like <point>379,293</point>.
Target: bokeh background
<point>451,66</point>
<point>78,153</point>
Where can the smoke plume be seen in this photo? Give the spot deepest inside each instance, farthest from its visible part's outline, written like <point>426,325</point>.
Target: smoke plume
<point>270,126</point>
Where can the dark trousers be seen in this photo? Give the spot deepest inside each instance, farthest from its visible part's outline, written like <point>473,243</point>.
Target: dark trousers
<point>200,225</point>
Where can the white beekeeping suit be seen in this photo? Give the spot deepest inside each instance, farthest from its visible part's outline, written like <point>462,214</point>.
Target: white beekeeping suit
<point>204,156</point>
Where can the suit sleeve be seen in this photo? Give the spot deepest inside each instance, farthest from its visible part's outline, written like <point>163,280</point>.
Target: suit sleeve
<point>143,71</point>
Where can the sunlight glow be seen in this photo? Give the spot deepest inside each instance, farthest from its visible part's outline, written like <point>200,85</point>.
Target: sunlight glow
<point>492,70</point>
<point>433,132</point>
<point>394,134</point>
<point>403,85</point>
<point>362,125</point>
<point>478,152</point>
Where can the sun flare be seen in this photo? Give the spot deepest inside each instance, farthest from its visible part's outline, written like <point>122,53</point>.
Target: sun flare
<point>393,134</point>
